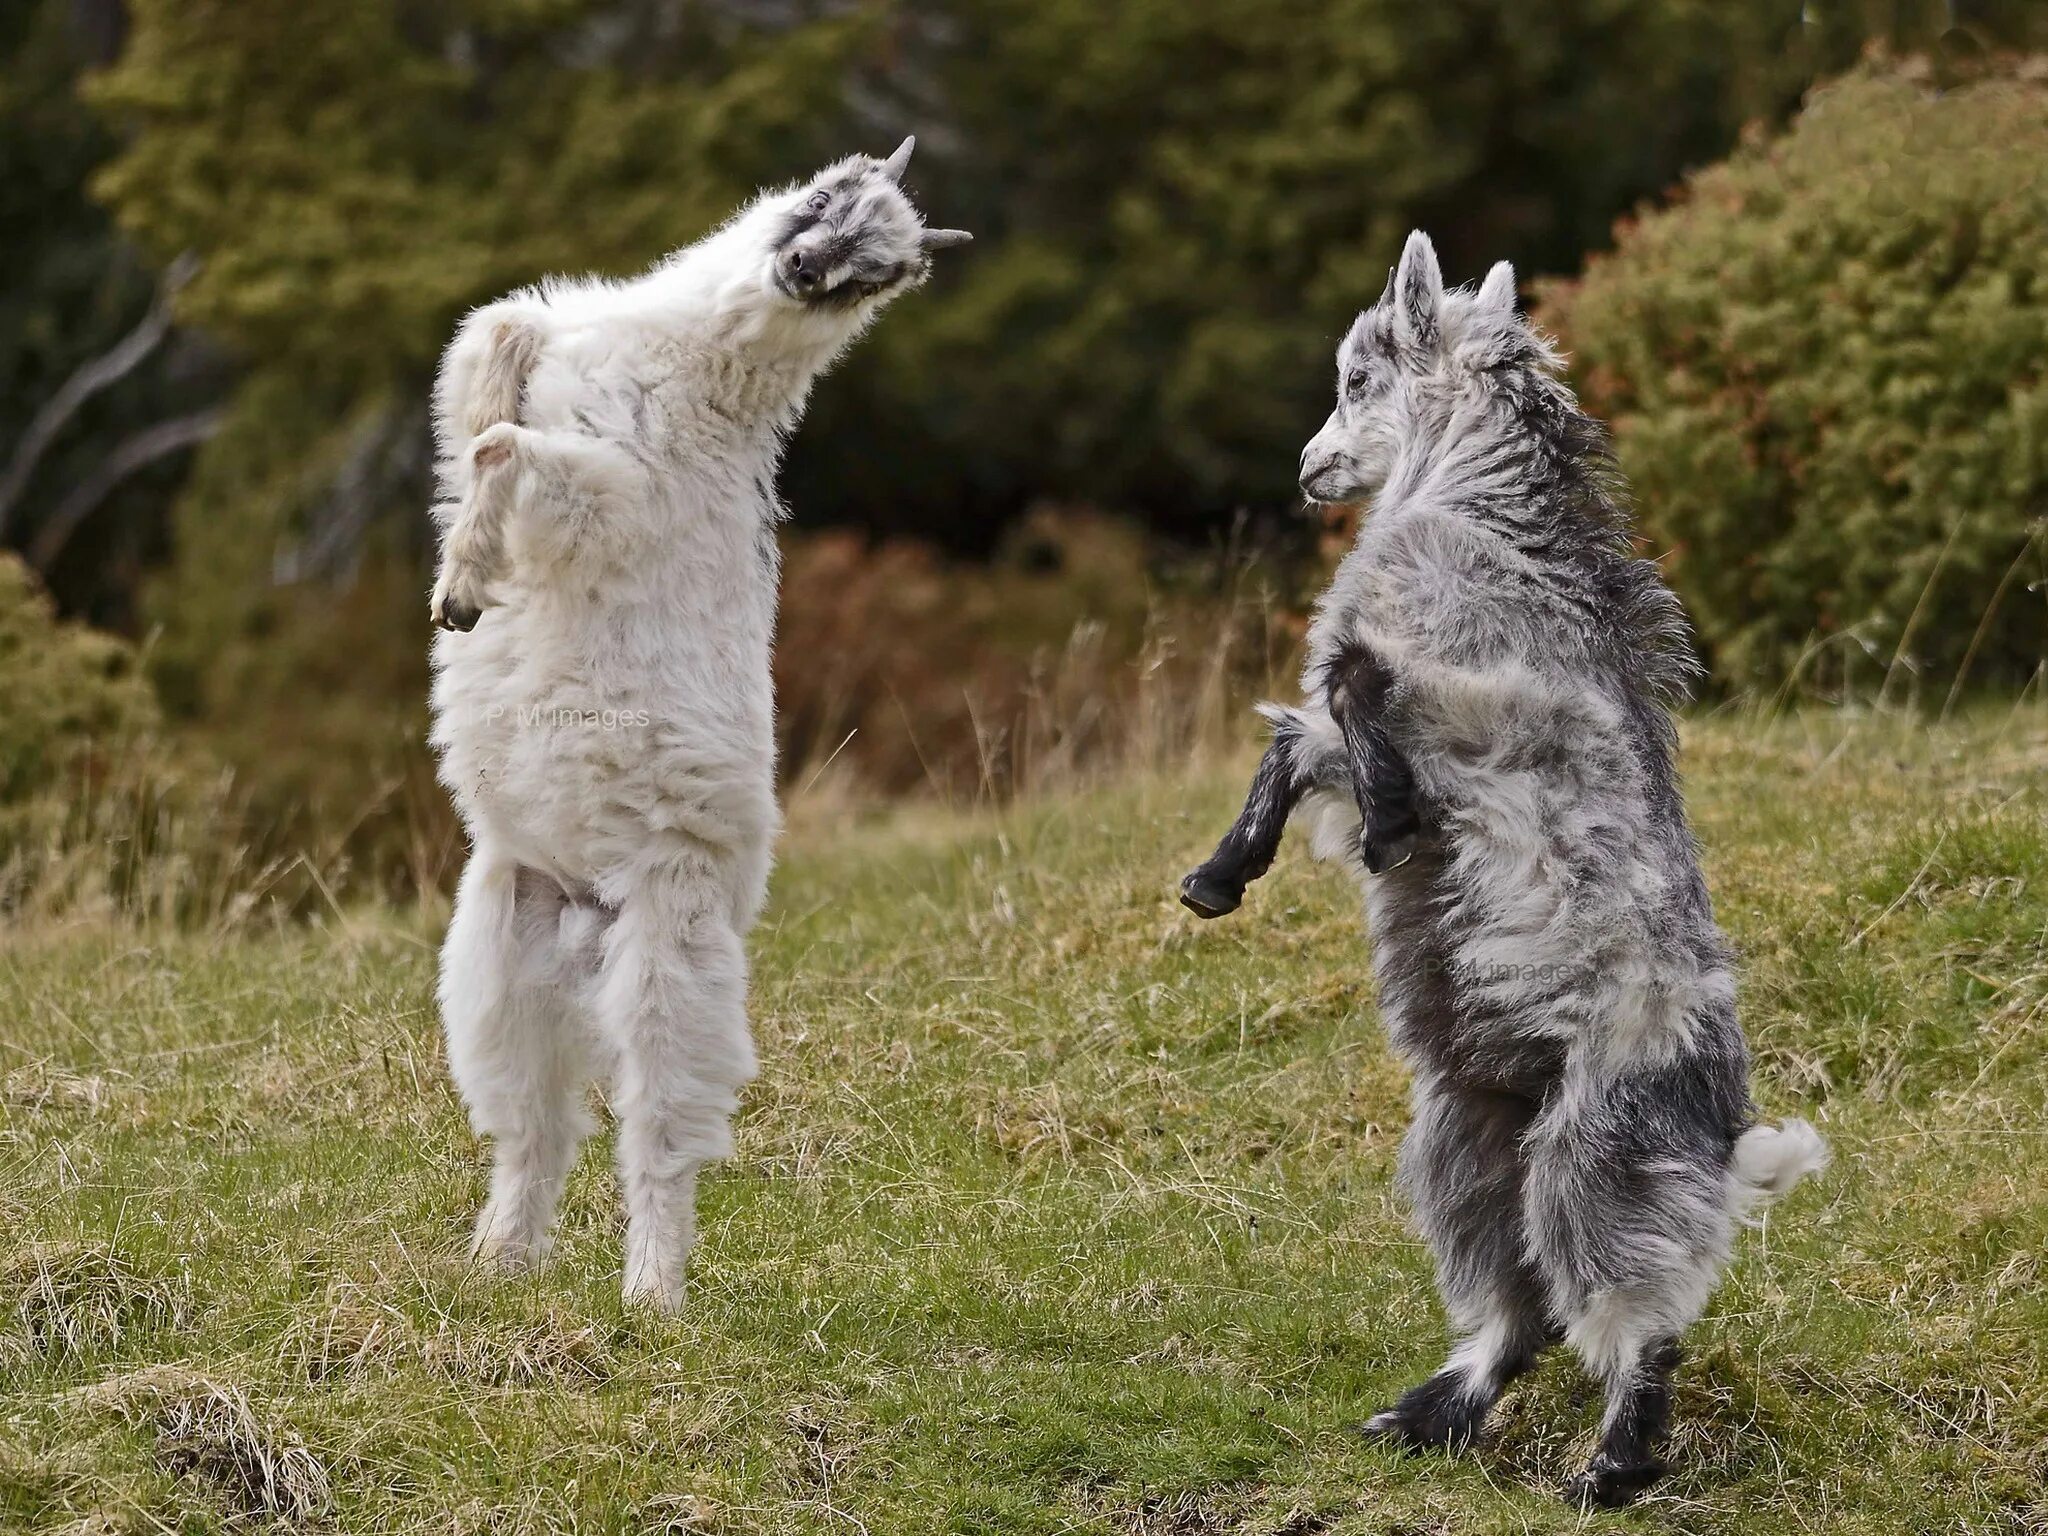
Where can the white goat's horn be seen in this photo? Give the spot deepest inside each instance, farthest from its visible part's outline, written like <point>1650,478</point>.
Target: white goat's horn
<point>896,164</point>
<point>939,239</point>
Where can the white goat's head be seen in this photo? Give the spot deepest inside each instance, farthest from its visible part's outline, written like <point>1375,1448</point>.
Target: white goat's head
<point>1408,363</point>
<point>850,236</point>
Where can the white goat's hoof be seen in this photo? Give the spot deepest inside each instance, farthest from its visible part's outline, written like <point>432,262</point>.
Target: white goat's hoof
<point>460,598</point>
<point>499,1244</point>
<point>495,445</point>
<point>655,1295</point>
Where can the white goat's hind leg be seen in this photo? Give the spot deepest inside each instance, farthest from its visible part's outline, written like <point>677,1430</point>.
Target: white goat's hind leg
<point>518,1047</point>
<point>673,1004</point>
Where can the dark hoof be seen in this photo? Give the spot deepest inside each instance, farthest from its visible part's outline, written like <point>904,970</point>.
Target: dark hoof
<point>1432,1417</point>
<point>1206,896</point>
<point>1416,1436</point>
<point>1383,854</point>
<point>458,616</point>
<point>1395,1429</point>
<point>1610,1485</point>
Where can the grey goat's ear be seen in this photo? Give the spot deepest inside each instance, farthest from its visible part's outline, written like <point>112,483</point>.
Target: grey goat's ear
<point>898,163</point>
<point>1386,299</point>
<point>1418,294</point>
<point>1498,291</point>
<point>939,239</point>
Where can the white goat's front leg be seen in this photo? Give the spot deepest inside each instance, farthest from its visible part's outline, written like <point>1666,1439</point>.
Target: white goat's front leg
<point>518,1046</point>
<point>473,552</point>
<point>673,1005</point>
<point>561,483</point>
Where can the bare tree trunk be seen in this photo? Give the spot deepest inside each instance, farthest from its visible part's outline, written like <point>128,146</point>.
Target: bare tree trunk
<point>130,455</point>
<point>110,367</point>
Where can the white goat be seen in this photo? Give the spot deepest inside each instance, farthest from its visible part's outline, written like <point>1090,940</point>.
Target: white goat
<point>607,461</point>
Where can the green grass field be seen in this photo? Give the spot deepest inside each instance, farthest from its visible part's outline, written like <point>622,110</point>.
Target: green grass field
<point>1054,1210</point>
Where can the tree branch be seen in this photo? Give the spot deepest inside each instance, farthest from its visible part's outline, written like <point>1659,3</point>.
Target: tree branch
<point>137,452</point>
<point>110,367</point>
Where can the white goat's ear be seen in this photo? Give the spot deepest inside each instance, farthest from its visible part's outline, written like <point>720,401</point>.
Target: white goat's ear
<point>1418,294</point>
<point>898,163</point>
<point>1498,291</point>
<point>939,239</point>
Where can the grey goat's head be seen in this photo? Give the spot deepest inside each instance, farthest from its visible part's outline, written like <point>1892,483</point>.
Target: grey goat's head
<point>851,236</point>
<point>1406,366</point>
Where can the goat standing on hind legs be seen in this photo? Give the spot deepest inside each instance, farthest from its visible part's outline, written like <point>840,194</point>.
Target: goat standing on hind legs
<point>1487,743</point>
<point>602,703</point>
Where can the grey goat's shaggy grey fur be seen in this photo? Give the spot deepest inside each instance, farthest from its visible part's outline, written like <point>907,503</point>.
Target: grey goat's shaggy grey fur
<point>1487,742</point>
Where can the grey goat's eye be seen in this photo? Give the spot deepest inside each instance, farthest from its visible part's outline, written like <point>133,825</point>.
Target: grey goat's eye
<point>1354,382</point>
<point>819,202</point>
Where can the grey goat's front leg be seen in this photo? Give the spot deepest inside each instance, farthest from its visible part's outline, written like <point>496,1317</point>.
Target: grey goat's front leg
<point>1247,849</point>
<point>1359,683</point>
<point>1299,760</point>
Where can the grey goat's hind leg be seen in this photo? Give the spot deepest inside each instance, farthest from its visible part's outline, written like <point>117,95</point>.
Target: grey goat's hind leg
<point>1246,852</point>
<point>1461,1165</point>
<point>1631,1440</point>
<point>1628,1216</point>
<point>1358,684</point>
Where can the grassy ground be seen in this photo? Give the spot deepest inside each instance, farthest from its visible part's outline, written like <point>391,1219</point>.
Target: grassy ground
<point>1054,1210</point>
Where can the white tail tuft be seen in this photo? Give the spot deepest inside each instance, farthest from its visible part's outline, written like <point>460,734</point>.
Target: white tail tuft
<point>1771,1159</point>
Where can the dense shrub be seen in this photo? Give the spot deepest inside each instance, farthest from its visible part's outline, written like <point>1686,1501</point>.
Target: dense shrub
<point>103,809</point>
<point>67,694</point>
<point>1827,368</point>
<point>85,820</point>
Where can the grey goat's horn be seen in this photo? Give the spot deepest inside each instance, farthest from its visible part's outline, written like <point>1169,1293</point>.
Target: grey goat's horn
<point>939,239</point>
<point>896,164</point>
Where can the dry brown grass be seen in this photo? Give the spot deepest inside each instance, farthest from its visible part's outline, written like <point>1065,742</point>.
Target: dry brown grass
<point>254,1466</point>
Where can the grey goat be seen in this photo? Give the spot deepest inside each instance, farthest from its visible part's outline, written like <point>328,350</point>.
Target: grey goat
<point>1487,743</point>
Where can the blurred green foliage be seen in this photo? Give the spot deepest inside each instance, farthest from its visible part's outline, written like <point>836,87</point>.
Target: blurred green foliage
<point>63,689</point>
<point>1179,203</point>
<point>70,287</point>
<point>1827,366</point>
<point>1179,200</point>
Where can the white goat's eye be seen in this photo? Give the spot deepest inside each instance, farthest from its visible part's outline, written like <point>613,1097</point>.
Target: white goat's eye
<point>819,201</point>
<point>1354,382</point>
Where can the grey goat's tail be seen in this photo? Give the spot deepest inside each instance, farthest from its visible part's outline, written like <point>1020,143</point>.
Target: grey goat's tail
<point>1770,1161</point>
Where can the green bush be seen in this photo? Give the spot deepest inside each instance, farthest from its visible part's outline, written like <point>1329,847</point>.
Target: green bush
<point>87,818</point>
<point>1824,364</point>
<point>67,693</point>
<point>102,811</point>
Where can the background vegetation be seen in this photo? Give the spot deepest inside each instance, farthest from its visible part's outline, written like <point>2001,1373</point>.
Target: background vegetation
<point>1827,366</point>
<point>240,229</point>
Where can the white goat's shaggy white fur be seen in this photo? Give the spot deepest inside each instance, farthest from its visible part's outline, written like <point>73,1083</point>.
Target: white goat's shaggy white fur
<point>604,716</point>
